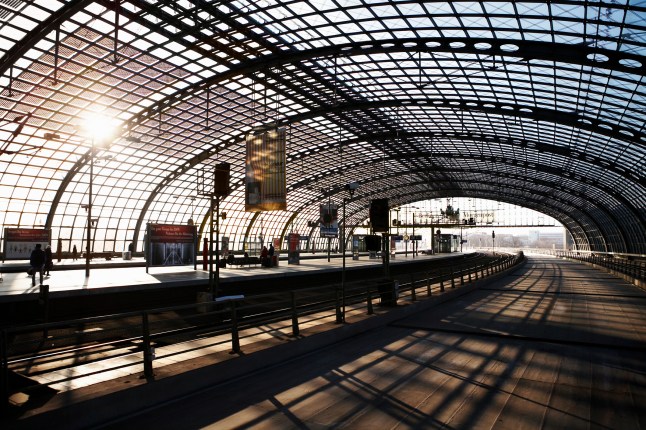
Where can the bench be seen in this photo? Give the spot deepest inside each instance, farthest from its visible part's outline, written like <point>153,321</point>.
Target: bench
<point>106,255</point>
<point>243,261</point>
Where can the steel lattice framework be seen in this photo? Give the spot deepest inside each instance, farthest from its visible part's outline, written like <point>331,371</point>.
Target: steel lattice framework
<point>537,104</point>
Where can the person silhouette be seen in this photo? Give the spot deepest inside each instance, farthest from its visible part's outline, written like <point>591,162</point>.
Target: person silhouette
<point>49,260</point>
<point>37,263</point>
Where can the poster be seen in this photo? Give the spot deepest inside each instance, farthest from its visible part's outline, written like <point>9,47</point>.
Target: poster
<point>224,249</point>
<point>171,245</point>
<point>265,180</point>
<point>19,242</point>
<point>294,243</point>
<point>329,220</point>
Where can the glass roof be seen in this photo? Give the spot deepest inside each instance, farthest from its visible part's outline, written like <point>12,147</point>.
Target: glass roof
<point>536,104</point>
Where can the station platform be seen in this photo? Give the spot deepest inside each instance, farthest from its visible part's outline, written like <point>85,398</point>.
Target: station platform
<point>555,345</point>
<point>68,277</point>
<point>552,344</point>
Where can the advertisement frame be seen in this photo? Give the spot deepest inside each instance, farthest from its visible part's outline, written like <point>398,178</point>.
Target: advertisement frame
<point>168,238</point>
<point>25,239</point>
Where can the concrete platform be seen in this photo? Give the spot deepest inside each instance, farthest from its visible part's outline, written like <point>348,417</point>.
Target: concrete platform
<point>68,278</point>
<point>557,345</point>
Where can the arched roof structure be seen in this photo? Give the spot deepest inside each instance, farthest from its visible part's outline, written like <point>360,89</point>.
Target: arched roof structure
<point>537,104</point>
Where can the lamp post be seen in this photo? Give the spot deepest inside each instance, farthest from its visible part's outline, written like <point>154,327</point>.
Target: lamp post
<point>414,242</point>
<point>92,126</point>
<point>329,206</point>
<point>96,126</point>
<point>414,234</point>
<point>351,187</point>
<point>406,233</point>
<point>89,213</point>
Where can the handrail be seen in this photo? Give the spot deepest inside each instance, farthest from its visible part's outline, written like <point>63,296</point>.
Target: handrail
<point>227,317</point>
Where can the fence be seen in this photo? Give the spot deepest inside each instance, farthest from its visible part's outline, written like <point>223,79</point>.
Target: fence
<point>135,336</point>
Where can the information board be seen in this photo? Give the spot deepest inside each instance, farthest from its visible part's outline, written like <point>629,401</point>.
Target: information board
<point>171,245</point>
<point>19,242</point>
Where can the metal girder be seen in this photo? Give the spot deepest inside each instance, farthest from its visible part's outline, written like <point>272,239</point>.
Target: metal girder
<point>503,109</point>
<point>577,54</point>
<point>40,31</point>
<point>536,206</point>
<point>76,168</point>
<point>538,167</point>
<point>593,159</point>
<point>618,226</point>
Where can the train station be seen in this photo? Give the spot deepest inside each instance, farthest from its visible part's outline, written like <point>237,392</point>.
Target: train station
<point>290,214</point>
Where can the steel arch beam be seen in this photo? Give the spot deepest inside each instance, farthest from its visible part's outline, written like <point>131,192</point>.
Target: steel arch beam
<point>560,52</point>
<point>538,168</point>
<point>485,194</point>
<point>539,203</point>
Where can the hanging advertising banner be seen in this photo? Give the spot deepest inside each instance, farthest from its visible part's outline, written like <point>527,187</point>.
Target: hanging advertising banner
<point>19,242</point>
<point>171,245</point>
<point>294,250</point>
<point>329,221</point>
<point>265,179</point>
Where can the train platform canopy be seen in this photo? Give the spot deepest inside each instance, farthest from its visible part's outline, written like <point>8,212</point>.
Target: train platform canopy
<point>537,104</point>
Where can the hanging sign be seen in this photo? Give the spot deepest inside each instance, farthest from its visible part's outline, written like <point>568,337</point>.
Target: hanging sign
<point>265,179</point>
<point>329,221</point>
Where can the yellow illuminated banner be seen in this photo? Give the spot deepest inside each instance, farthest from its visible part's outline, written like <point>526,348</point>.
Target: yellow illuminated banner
<point>265,179</point>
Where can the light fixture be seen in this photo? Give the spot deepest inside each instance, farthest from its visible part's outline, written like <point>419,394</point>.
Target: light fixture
<point>133,139</point>
<point>52,136</point>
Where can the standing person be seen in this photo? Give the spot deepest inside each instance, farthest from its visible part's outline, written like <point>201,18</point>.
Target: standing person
<point>271,254</point>
<point>49,260</point>
<point>75,253</point>
<point>37,261</point>
<point>263,256</point>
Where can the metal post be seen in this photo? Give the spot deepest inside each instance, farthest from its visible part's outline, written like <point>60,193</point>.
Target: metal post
<point>148,353</point>
<point>385,252</point>
<point>217,247</point>
<point>337,305</point>
<point>89,214</point>
<point>211,274</point>
<point>43,300</point>
<point>235,338</point>
<point>342,237</point>
<point>406,236</point>
<point>460,237</point>
<point>370,309</point>
<point>329,239</point>
<point>413,235</point>
<point>412,287</point>
<point>295,329</point>
<point>4,372</point>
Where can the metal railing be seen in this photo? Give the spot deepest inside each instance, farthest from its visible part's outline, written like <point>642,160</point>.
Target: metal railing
<point>41,348</point>
<point>630,266</point>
